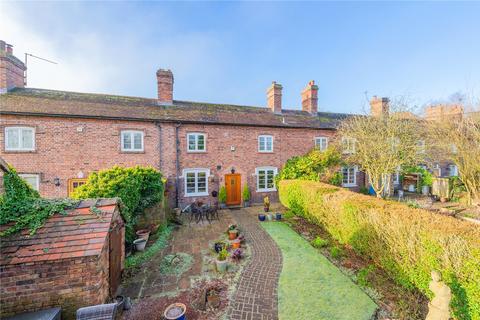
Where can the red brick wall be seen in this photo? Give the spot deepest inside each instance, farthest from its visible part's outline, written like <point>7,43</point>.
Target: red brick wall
<point>70,283</point>
<point>62,150</point>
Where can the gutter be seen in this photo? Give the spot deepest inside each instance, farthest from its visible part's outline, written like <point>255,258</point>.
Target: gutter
<point>177,164</point>
<point>160,121</point>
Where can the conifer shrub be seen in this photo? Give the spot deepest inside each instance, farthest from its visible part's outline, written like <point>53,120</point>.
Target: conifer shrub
<point>408,243</point>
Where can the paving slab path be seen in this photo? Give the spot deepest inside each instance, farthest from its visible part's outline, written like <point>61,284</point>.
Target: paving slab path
<point>256,296</point>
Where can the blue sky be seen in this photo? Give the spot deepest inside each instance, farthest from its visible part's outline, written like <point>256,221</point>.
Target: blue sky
<point>228,52</point>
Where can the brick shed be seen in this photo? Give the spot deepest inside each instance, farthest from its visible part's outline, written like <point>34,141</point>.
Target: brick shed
<point>72,261</point>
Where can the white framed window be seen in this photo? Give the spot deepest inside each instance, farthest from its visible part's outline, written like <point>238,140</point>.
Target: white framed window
<point>453,148</point>
<point>421,146</point>
<point>453,170</point>
<point>348,145</point>
<point>196,142</point>
<point>196,182</point>
<point>349,176</point>
<point>321,143</point>
<point>132,140</point>
<point>32,179</point>
<point>266,179</point>
<point>265,143</point>
<point>19,139</point>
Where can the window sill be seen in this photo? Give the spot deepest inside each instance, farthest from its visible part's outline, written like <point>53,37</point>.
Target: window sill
<point>265,151</point>
<point>190,195</point>
<point>132,151</point>
<point>349,185</point>
<point>20,151</point>
<point>195,151</point>
<point>266,190</point>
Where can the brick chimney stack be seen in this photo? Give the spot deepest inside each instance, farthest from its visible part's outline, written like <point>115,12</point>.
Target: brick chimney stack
<point>310,98</point>
<point>379,106</point>
<point>274,97</point>
<point>12,69</point>
<point>165,86</point>
<point>442,112</point>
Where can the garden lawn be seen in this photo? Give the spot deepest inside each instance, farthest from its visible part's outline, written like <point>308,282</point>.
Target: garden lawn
<point>310,286</point>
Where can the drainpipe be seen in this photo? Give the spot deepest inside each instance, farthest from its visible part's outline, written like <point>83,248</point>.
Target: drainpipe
<point>177,163</point>
<point>160,165</point>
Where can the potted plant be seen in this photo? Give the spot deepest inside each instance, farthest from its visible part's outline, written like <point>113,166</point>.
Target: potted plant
<point>246,196</point>
<point>222,197</point>
<point>266,204</point>
<point>221,261</point>
<point>261,217</point>
<point>232,232</point>
<point>237,255</point>
<point>278,216</point>
<point>140,244</point>
<point>236,243</point>
<point>218,246</point>
<point>175,311</point>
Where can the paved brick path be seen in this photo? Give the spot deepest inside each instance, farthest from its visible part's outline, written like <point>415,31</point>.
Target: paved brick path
<point>256,296</point>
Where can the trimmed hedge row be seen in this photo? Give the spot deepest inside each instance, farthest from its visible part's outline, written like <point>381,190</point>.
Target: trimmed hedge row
<point>406,242</point>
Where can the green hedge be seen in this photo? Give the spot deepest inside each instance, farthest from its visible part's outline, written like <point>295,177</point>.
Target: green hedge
<point>408,243</point>
<point>138,187</point>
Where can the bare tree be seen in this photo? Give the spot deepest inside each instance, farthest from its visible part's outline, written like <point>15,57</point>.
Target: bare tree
<point>383,142</point>
<point>458,140</point>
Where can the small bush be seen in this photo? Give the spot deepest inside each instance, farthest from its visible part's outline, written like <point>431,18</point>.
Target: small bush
<point>246,193</point>
<point>222,195</point>
<point>364,190</point>
<point>407,243</point>
<point>319,242</point>
<point>336,252</point>
<point>138,187</point>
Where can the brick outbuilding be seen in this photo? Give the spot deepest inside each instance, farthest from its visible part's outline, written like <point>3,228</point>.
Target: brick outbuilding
<point>73,260</point>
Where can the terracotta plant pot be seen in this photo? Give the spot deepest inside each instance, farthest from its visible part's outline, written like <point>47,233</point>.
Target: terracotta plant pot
<point>236,244</point>
<point>143,234</point>
<point>232,234</point>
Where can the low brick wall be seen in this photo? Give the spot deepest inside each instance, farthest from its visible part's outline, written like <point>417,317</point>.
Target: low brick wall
<point>69,284</point>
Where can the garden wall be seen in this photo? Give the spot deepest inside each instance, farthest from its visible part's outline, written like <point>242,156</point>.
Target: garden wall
<point>407,242</point>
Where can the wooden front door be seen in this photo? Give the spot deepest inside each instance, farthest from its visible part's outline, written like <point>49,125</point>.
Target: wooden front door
<point>232,184</point>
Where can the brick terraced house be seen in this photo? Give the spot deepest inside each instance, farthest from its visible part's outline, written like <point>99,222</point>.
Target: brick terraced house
<point>55,139</point>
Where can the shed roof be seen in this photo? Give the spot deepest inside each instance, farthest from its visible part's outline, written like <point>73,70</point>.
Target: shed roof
<point>79,233</point>
<point>32,101</point>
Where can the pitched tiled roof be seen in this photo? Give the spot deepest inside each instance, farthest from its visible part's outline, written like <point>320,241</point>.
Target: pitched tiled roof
<point>79,233</point>
<point>72,104</point>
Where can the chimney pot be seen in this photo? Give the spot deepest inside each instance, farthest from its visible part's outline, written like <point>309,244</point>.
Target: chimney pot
<point>9,49</point>
<point>12,72</point>
<point>274,97</point>
<point>165,86</point>
<point>310,98</point>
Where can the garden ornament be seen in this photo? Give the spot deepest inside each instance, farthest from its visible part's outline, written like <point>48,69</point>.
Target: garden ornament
<point>438,308</point>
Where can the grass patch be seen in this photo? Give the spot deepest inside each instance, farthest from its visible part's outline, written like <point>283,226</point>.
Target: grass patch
<point>310,286</point>
<point>134,261</point>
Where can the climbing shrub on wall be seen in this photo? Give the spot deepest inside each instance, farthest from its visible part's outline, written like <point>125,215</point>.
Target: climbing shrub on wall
<point>138,187</point>
<point>406,242</point>
<point>22,208</point>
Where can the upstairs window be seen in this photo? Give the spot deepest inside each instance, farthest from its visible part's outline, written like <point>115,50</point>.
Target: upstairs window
<point>196,142</point>
<point>32,179</point>
<point>348,145</point>
<point>196,182</point>
<point>132,141</point>
<point>421,146</point>
<point>349,176</point>
<point>321,143</point>
<point>265,143</point>
<point>19,139</point>
<point>266,179</point>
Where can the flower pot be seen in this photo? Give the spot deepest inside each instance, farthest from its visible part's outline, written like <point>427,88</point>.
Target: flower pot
<point>222,205</point>
<point>236,244</point>
<point>120,301</point>
<point>143,234</point>
<point>261,217</point>
<point>411,188</point>
<point>175,311</point>
<point>278,216</point>
<point>232,234</point>
<point>266,209</point>
<point>246,204</point>
<point>443,199</point>
<point>221,265</point>
<point>140,244</point>
<point>269,216</point>
<point>425,190</point>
